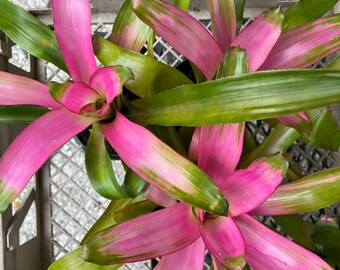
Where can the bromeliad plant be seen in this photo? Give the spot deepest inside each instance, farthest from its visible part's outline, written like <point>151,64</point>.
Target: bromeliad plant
<point>240,77</point>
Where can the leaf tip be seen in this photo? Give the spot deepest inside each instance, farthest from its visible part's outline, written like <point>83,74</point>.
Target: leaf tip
<point>6,196</point>
<point>275,15</point>
<point>221,207</point>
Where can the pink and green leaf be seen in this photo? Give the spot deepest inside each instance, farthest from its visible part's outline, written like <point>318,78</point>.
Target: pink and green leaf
<point>119,211</point>
<point>224,240</point>
<point>72,25</point>
<point>220,149</point>
<point>310,193</point>
<point>158,196</point>
<point>74,96</point>
<point>109,81</point>
<point>129,31</point>
<point>161,166</point>
<point>177,27</point>
<point>269,250</point>
<point>303,46</point>
<point>300,122</point>
<point>248,188</point>
<point>99,166</point>
<point>170,136</point>
<point>190,257</point>
<point>150,76</point>
<point>19,90</point>
<point>156,234</point>
<point>30,33</point>
<point>33,147</point>
<point>260,36</point>
<point>223,22</point>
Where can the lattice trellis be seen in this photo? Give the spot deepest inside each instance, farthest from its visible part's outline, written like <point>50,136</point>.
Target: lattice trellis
<point>75,206</point>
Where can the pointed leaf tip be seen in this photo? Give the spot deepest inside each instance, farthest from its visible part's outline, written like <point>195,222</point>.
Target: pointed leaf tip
<point>267,26</point>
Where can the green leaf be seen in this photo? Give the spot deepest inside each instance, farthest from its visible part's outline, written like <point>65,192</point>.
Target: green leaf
<point>119,211</point>
<point>298,229</point>
<point>151,76</point>
<point>279,140</point>
<point>335,64</point>
<point>30,33</point>
<point>73,261</point>
<point>239,7</point>
<point>133,183</point>
<point>306,11</point>
<point>182,4</point>
<point>241,98</point>
<point>327,239</point>
<point>128,30</point>
<point>323,120</point>
<point>21,115</point>
<point>57,90</point>
<point>310,193</point>
<point>99,166</point>
<point>234,62</point>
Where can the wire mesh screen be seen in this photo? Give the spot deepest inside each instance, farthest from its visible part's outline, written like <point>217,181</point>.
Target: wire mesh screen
<point>75,206</point>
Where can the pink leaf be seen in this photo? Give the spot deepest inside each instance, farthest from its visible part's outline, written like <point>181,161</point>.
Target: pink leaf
<point>246,189</point>
<point>223,22</point>
<point>220,149</point>
<point>194,144</point>
<point>300,122</point>
<point>177,28</point>
<point>108,81</point>
<point>33,146</point>
<point>156,234</point>
<point>72,24</point>
<point>19,90</point>
<point>78,95</point>
<point>259,37</point>
<point>269,250</point>
<point>190,257</point>
<point>302,46</point>
<point>158,196</point>
<point>161,166</point>
<point>225,241</point>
